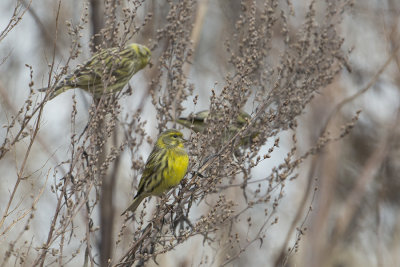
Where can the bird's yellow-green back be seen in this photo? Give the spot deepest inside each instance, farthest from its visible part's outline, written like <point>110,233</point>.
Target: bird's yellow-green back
<point>108,71</point>
<point>199,122</point>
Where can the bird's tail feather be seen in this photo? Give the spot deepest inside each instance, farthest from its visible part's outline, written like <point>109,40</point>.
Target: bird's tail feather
<point>135,203</point>
<point>57,90</point>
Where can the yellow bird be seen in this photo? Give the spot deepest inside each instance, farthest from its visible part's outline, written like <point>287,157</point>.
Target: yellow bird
<point>111,68</point>
<point>164,169</point>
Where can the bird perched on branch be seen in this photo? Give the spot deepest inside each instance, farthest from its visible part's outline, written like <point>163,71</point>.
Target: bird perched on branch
<point>164,169</point>
<point>108,71</point>
<point>198,122</point>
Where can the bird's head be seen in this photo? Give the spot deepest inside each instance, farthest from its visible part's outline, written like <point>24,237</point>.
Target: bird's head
<point>144,54</point>
<point>171,139</point>
<point>140,53</point>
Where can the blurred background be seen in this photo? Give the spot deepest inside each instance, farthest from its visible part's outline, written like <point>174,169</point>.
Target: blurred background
<point>342,209</point>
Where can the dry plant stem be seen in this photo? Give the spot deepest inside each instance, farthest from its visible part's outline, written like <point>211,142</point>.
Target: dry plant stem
<point>20,174</point>
<point>23,125</point>
<point>327,164</point>
<point>15,19</point>
<point>107,208</point>
<point>282,257</point>
<point>97,21</point>
<point>300,232</point>
<point>40,260</point>
<point>35,201</point>
<point>54,49</point>
<point>34,138</point>
<point>8,103</point>
<point>134,247</point>
<point>394,37</point>
<point>106,211</point>
<point>54,232</point>
<point>40,24</point>
<point>367,175</point>
<point>195,37</point>
<point>88,250</point>
<point>107,183</point>
<point>108,180</point>
<point>258,237</point>
<point>362,91</point>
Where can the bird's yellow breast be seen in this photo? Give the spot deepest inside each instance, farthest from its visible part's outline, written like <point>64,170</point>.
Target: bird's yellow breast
<point>178,162</point>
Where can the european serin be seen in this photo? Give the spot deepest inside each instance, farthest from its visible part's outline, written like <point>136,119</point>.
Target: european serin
<point>110,68</point>
<point>164,169</point>
<point>198,123</point>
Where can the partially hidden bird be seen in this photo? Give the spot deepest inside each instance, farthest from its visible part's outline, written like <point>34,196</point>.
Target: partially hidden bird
<point>199,121</point>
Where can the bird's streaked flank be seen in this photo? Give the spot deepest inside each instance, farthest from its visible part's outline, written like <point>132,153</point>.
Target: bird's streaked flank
<point>164,169</point>
<point>108,71</point>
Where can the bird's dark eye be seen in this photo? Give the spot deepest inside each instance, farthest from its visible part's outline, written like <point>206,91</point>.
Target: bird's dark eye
<point>175,136</point>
